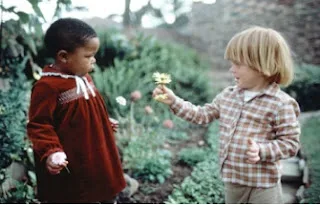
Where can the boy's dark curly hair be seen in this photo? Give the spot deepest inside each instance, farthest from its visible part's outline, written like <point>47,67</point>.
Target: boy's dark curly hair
<point>67,34</point>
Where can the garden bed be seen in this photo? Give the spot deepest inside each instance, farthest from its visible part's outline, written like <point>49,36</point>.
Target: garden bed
<point>151,192</point>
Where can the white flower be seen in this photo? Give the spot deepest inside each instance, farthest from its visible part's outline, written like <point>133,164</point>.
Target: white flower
<point>59,158</point>
<point>121,100</point>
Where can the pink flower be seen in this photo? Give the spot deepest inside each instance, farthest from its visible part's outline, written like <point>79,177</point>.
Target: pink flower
<point>148,109</point>
<point>168,124</point>
<point>135,95</point>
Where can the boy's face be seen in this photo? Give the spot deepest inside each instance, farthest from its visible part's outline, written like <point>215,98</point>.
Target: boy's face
<point>247,78</point>
<point>82,60</point>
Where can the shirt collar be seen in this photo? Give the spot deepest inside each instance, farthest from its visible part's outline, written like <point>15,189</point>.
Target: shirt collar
<point>271,90</point>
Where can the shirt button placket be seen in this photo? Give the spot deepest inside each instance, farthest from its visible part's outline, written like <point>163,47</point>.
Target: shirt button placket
<point>232,131</point>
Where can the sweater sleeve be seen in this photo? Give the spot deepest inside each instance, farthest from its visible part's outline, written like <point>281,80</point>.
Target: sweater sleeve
<point>40,127</point>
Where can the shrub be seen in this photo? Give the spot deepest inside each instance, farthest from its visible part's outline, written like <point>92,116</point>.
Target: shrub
<point>146,56</point>
<point>310,144</point>
<point>306,87</point>
<point>13,120</point>
<point>204,186</point>
<point>192,155</point>
<point>143,157</point>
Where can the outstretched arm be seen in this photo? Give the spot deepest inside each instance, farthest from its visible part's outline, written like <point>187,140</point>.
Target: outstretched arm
<point>186,110</point>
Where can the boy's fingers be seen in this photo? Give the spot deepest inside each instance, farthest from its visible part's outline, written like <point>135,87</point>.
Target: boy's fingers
<point>253,149</point>
<point>253,160</point>
<point>251,154</point>
<point>156,91</point>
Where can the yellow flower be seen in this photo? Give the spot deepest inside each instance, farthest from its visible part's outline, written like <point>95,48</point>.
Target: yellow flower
<point>161,78</point>
<point>160,97</point>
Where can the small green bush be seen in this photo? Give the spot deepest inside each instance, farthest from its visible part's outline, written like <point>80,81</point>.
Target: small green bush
<point>310,145</point>
<point>204,186</point>
<point>192,155</point>
<point>13,143</point>
<point>306,87</point>
<point>145,159</point>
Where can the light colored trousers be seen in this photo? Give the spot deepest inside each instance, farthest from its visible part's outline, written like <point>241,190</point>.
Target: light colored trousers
<point>240,194</point>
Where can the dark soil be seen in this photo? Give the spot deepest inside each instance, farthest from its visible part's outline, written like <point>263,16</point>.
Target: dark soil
<point>155,193</point>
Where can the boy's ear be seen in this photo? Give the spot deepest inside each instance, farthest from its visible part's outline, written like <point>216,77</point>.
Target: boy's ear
<point>62,56</point>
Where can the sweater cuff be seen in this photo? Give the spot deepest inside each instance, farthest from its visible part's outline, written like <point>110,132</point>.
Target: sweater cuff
<point>176,105</point>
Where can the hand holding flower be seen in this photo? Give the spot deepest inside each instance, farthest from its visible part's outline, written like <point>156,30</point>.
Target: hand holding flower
<point>56,162</point>
<point>163,94</point>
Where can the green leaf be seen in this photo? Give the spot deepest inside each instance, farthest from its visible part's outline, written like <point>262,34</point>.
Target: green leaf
<point>37,10</point>
<point>160,178</point>
<point>23,17</point>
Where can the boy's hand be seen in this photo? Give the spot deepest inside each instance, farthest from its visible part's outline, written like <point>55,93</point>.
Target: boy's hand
<point>252,152</point>
<point>162,89</point>
<point>114,124</point>
<point>56,162</point>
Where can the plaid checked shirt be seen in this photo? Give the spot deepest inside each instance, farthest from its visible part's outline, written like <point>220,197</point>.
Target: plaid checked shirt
<point>270,119</point>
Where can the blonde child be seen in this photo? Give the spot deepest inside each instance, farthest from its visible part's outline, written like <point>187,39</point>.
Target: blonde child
<point>258,121</point>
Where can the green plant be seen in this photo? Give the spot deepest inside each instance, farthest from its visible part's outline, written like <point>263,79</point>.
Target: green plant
<point>13,119</point>
<point>143,157</point>
<point>13,109</point>
<point>306,87</point>
<point>142,57</point>
<point>192,155</point>
<point>310,145</point>
<point>204,186</point>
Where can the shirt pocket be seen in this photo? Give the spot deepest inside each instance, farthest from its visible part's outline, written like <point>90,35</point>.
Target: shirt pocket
<point>260,125</point>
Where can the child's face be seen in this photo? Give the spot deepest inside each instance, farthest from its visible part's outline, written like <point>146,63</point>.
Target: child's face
<point>82,60</point>
<point>247,78</point>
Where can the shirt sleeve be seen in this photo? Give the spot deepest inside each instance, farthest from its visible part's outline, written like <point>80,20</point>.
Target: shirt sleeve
<point>287,130</point>
<point>196,114</point>
<point>40,127</point>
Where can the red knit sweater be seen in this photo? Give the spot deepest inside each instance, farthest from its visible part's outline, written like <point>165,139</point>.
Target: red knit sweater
<point>60,119</point>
